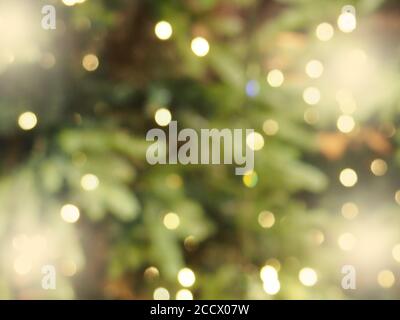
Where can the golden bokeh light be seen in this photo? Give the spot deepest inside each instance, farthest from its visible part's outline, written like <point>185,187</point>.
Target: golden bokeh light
<point>324,31</point>
<point>27,120</point>
<point>163,30</point>
<point>200,46</point>
<point>386,279</point>
<point>70,213</point>
<point>171,221</point>
<point>308,277</point>
<point>266,219</point>
<point>90,62</point>
<point>255,141</point>
<point>396,252</point>
<point>89,182</point>
<point>378,167</point>
<point>161,294</point>
<point>163,117</point>
<point>347,241</point>
<point>186,277</point>
<point>350,210</point>
<point>270,127</point>
<point>184,294</point>
<point>348,177</point>
<point>311,95</point>
<point>347,22</point>
<point>345,123</point>
<point>314,69</point>
<point>275,78</point>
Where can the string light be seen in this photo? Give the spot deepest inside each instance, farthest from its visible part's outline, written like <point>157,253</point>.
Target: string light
<point>171,221</point>
<point>275,78</point>
<point>378,167</point>
<point>200,46</point>
<point>345,123</point>
<point>349,210</point>
<point>266,219</point>
<point>324,31</point>
<point>70,213</point>
<point>90,62</point>
<point>308,277</point>
<point>186,277</point>
<point>163,30</point>
<point>184,294</point>
<point>311,95</point>
<point>89,182</point>
<point>27,120</point>
<point>348,177</point>
<point>386,279</point>
<point>161,294</point>
<point>255,141</point>
<point>347,241</point>
<point>314,69</point>
<point>163,117</point>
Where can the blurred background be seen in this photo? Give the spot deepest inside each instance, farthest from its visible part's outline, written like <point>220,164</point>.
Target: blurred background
<point>317,80</point>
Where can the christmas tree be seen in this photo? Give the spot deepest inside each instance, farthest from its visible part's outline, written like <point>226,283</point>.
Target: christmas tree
<point>318,215</point>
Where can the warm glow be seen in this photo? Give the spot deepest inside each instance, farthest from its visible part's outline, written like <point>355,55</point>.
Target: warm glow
<point>308,277</point>
<point>27,120</point>
<point>186,277</point>
<point>161,294</point>
<point>349,210</point>
<point>89,182</point>
<point>347,241</point>
<point>90,62</point>
<point>348,177</point>
<point>345,123</point>
<point>386,279</point>
<point>272,286</point>
<point>324,31</point>
<point>200,46</point>
<point>378,167</point>
<point>184,294</point>
<point>311,116</point>
<point>255,141</point>
<point>396,252</point>
<point>347,22</point>
<point>270,127</point>
<point>311,95</point>
<point>171,221</point>
<point>266,219</point>
<point>314,69</point>
<point>163,117</point>
<point>23,264</point>
<point>275,78</point>
<point>163,30</point>
<point>70,213</point>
